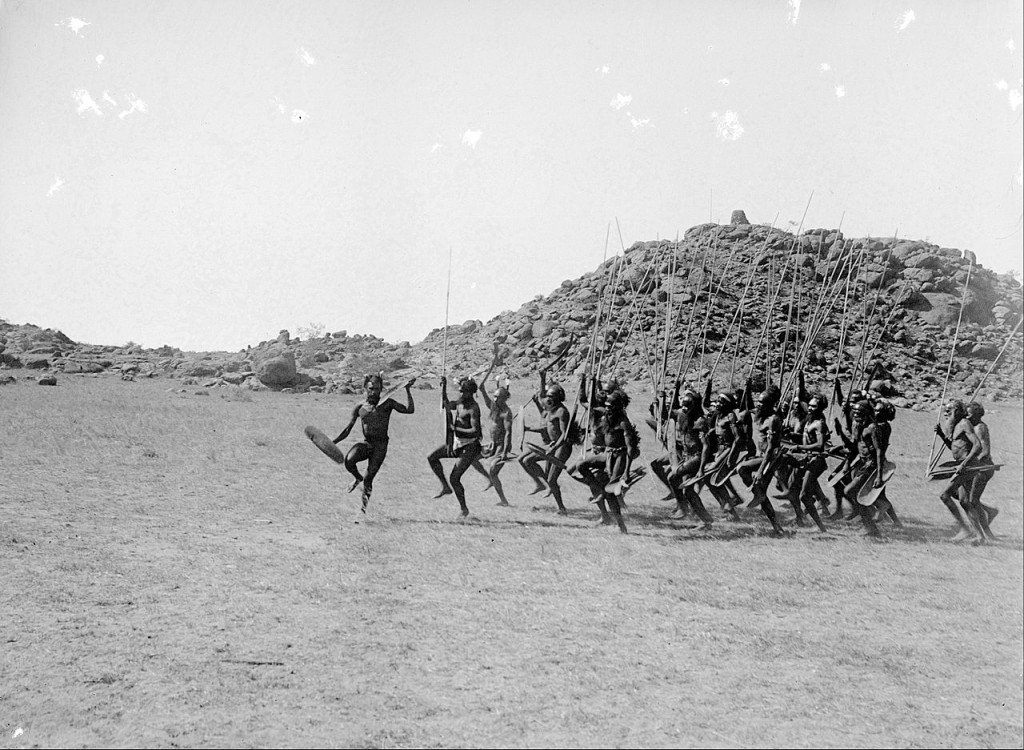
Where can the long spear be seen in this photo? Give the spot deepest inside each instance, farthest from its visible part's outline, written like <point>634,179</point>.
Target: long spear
<point>885,326</point>
<point>996,360</point>
<point>688,351</point>
<point>867,320</point>
<point>444,352</point>
<point>830,293</point>
<point>743,296</point>
<point>592,356</point>
<point>843,326</point>
<point>949,367</point>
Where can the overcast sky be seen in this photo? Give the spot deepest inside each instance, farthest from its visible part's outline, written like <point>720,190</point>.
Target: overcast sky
<point>203,174</point>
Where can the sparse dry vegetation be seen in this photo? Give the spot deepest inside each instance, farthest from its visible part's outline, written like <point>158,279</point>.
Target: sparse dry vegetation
<point>181,571</point>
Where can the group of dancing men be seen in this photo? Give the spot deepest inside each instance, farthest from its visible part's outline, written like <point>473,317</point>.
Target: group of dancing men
<point>705,442</point>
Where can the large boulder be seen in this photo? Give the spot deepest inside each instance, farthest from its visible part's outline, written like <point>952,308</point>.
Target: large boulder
<point>542,328</point>
<point>939,308</point>
<point>278,371</point>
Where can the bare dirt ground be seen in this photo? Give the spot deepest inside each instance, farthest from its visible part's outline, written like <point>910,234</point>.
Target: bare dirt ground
<point>185,569</point>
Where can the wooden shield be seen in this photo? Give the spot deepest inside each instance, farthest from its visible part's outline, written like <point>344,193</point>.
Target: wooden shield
<point>868,493</point>
<point>321,441</point>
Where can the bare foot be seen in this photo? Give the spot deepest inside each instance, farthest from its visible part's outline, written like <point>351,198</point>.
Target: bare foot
<point>504,504</point>
<point>444,491</point>
<point>962,535</point>
<point>355,484</point>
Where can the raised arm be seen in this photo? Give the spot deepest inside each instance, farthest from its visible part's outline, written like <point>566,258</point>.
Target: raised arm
<point>410,407</point>
<point>802,386</point>
<point>483,381</point>
<point>841,432</point>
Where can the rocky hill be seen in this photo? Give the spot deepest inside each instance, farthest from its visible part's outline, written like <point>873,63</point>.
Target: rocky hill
<point>901,309</point>
<point>744,297</point>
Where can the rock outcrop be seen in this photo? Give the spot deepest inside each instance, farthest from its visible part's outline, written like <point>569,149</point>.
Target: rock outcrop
<point>742,296</point>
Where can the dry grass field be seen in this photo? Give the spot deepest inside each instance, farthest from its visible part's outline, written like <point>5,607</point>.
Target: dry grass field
<point>185,569</point>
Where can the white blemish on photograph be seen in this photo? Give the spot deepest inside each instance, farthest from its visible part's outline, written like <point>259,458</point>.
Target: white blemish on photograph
<point>99,60</point>
<point>1002,85</point>
<point>17,733</point>
<point>304,57</point>
<point>603,70</point>
<point>824,67</point>
<point>1010,45</point>
<point>58,183</point>
<point>723,81</point>
<point>109,99</point>
<point>1015,99</point>
<point>75,24</point>
<point>85,102</point>
<point>840,91</point>
<point>436,147</point>
<point>298,115</point>
<point>134,105</point>
<point>472,137</point>
<point>794,11</point>
<point>638,123</point>
<point>727,125</point>
<point>905,20</point>
<point>620,101</point>
<point>278,104</point>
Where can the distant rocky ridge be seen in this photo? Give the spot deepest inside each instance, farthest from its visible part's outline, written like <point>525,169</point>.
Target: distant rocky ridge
<point>907,296</point>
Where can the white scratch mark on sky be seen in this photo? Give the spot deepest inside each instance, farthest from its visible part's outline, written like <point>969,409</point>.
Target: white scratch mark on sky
<point>824,67</point>
<point>1010,45</point>
<point>638,123</point>
<point>1012,95</point>
<point>304,56</point>
<point>436,147</point>
<point>728,125</point>
<point>17,733</point>
<point>840,91</point>
<point>472,137</point>
<point>1015,99</point>
<point>603,70</point>
<point>794,11</point>
<point>905,20</point>
<point>75,24</point>
<point>99,60</point>
<point>135,104</point>
<point>723,81</point>
<point>85,102</point>
<point>620,101</point>
<point>58,183</point>
<point>276,101</point>
<point>298,115</point>
<point>109,99</point>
